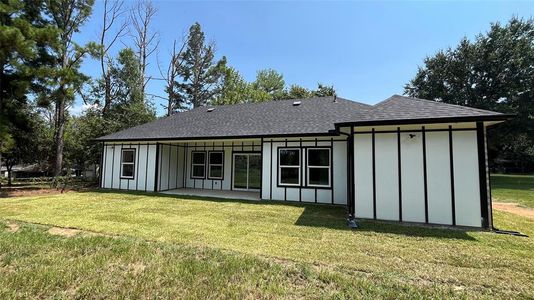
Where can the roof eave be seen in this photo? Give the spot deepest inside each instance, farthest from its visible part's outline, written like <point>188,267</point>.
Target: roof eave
<point>332,132</point>
<point>500,117</point>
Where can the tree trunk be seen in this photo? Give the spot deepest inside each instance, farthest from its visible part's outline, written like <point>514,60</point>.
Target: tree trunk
<point>1,169</point>
<point>59,136</point>
<point>9,169</point>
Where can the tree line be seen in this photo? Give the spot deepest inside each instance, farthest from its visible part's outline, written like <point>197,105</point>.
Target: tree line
<point>41,78</point>
<point>494,71</point>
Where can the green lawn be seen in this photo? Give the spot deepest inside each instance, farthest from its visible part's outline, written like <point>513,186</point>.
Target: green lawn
<point>207,248</point>
<point>513,188</point>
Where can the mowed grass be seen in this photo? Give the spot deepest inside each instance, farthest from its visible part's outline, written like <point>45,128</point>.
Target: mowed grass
<point>208,248</point>
<point>513,189</point>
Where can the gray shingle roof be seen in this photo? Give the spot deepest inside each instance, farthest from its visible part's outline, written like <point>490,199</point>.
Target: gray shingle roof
<point>399,107</point>
<point>279,118</point>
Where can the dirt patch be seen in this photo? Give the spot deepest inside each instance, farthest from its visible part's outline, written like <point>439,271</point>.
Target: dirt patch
<point>66,232</point>
<point>515,209</point>
<point>22,192</point>
<point>12,227</point>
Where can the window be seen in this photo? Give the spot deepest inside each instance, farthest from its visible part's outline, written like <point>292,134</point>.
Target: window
<point>319,167</point>
<point>289,166</point>
<point>198,164</point>
<point>127,163</point>
<point>215,165</point>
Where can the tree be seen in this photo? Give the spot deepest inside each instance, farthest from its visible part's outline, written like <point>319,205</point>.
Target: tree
<point>174,101</point>
<point>324,91</point>
<point>298,92</point>
<point>270,82</point>
<point>25,36</point>
<point>66,79</point>
<point>199,74</point>
<point>492,72</point>
<point>111,14</point>
<point>233,88</point>
<point>23,148</point>
<point>145,39</point>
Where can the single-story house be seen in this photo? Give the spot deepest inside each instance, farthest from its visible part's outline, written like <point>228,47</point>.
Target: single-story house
<point>403,159</point>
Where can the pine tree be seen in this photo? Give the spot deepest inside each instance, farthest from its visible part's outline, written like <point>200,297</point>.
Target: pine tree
<point>198,73</point>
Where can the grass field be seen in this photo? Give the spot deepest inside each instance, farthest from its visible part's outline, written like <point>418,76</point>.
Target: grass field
<point>513,188</point>
<point>162,246</point>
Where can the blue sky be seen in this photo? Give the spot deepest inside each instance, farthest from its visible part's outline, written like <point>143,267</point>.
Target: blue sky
<point>367,50</point>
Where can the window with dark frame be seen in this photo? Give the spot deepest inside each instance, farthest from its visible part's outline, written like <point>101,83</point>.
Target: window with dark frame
<point>127,163</point>
<point>318,167</point>
<point>215,164</point>
<point>289,166</point>
<point>198,164</point>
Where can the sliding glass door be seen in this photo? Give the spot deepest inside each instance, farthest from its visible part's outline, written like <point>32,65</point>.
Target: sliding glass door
<point>247,171</point>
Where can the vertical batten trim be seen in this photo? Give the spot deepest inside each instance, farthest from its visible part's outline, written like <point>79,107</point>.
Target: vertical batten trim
<point>261,168</point>
<point>483,176</point>
<point>374,171</point>
<point>102,173</point>
<point>278,168</point>
<point>112,165</point>
<point>451,170</point>
<point>399,166</point>
<point>169,168</point>
<point>331,170</point>
<point>138,153</point>
<point>146,165</point>
<point>425,173</point>
<point>271,172</point>
<point>156,168</point>
<point>301,170</point>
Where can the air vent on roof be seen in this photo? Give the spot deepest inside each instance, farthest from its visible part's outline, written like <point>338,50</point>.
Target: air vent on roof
<point>211,109</point>
<point>296,103</point>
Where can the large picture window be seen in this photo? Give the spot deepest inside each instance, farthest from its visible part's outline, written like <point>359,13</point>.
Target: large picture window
<point>318,167</point>
<point>289,166</point>
<point>198,164</point>
<point>215,165</point>
<point>127,163</point>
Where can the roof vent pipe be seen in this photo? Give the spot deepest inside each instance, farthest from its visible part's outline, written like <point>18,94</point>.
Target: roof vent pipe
<point>211,109</point>
<point>296,103</point>
<point>335,98</point>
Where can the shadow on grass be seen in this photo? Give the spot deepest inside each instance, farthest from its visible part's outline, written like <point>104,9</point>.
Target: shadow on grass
<point>327,216</point>
<point>335,219</point>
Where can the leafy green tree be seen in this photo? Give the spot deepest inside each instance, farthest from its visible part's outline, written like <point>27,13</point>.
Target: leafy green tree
<point>199,74</point>
<point>495,71</point>
<point>25,142</point>
<point>324,91</point>
<point>66,79</point>
<point>233,88</point>
<point>298,92</point>
<point>271,82</point>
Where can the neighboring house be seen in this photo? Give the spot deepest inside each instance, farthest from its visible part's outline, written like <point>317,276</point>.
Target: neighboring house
<point>23,171</point>
<point>403,159</point>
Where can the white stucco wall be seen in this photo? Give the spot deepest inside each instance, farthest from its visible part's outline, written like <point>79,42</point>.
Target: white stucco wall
<point>385,195</point>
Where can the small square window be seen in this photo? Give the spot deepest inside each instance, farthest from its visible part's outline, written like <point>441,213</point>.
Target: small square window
<point>198,171</point>
<point>216,158</point>
<point>289,175</point>
<point>319,176</point>
<point>289,157</point>
<point>199,157</point>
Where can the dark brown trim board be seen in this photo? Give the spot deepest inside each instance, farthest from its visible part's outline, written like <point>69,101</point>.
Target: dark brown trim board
<point>483,176</point>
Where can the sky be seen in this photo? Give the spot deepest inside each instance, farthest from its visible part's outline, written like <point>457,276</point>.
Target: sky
<point>367,50</point>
